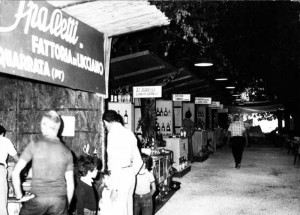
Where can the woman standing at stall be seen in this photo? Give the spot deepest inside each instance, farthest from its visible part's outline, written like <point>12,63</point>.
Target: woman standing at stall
<point>124,162</point>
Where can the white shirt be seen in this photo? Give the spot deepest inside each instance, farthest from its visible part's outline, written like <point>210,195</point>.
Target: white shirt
<point>122,150</point>
<point>6,148</point>
<point>143,182</point>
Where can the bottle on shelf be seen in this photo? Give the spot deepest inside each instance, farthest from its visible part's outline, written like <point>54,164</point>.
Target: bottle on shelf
<point>125,117</point>
<point>157,126</point>
<point>169,113</point>
<point>120,96</point>
<point>181,132</point>
<point>111,96</point>
<point>168,127</point>
<point>163,127</point>
<point>161,112</point>
<point>157,112</point>
<point>115,97</point>
<point>165,112</point>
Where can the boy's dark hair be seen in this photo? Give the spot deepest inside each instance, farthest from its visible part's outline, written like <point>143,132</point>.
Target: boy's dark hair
<point>111,116</point>
<point>87,163</point>
<point>2,130</point>
<point>147,160</point>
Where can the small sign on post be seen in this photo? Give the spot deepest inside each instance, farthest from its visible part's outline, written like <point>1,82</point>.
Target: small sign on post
<point>147,92</point>
<point>203,100</point>
<point>181,97</point>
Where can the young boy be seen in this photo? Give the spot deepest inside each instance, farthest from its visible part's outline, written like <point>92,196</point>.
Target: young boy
<point>145,188</point>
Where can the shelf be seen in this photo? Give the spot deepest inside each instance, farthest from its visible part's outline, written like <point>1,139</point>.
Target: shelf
<point>181,173</point>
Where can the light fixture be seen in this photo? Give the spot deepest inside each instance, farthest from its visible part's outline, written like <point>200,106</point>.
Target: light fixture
<point>221,78</point>
<point>230,87</point>
<point>203,62</point>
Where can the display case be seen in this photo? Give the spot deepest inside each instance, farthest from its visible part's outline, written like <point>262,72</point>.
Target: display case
<point>212,138</point>
<point>200,147</point>
<point>126,110</point>
<point>164,115</point>
<point>180,154</point>
<point>201,113</point>
<point>161,166</point>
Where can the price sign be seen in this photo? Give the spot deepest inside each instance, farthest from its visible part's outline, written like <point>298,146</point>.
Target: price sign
<point>203,100</point>
<point>181,97</point>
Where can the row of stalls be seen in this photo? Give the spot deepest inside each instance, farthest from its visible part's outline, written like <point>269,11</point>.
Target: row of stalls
<point>55,55</point>
<point>60,60</point>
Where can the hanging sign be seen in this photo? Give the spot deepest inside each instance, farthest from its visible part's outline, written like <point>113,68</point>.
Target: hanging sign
<point>181,97</point>
<point>203,100</point>
<point>214,104</point>
<point>147,92</point>
<point>43,43</point>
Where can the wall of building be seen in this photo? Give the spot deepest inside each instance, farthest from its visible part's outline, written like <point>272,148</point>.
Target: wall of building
<point>23,102</point>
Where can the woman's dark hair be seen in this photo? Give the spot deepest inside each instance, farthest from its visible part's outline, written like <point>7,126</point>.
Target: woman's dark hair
<point>188,114</point>
<point>2,130</point>
<point>111,116</point>
<point>147,160</point>
<point>87,163</point>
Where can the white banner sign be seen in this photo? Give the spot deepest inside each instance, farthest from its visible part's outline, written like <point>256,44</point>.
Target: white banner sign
<point>203,100</point>
<point>181,97</point>
<point>147,92</point>
<point>214,104</point>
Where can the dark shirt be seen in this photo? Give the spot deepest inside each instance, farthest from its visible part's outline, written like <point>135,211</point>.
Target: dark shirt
<point>51,159</point>
<point>188,125</point>
<point>86,197</point>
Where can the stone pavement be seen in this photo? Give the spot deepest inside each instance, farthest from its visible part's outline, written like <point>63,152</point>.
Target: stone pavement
<point>267,183</point>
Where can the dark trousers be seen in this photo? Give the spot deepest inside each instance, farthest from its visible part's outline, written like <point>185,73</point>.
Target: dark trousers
<point>190,149</point>
<point>237,145</point>
<point>143,204</point>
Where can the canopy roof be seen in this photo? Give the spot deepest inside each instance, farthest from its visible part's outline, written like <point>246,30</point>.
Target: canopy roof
<point>114,17</point>
<point>256,107</point>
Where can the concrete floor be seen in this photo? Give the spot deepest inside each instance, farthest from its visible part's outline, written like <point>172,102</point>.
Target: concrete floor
<point>267,183</point>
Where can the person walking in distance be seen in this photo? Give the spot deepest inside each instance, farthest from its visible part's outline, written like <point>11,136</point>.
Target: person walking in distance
<point>52,185</point>
<point>6,148</point>
<point>237,136</point>
<point>123,161</point>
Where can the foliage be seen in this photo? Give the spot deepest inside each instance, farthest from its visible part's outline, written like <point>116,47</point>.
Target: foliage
<point>148,118</point>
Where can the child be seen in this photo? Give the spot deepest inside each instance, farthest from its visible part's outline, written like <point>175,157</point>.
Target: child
<point>145,188</point>
<point>85,192</point>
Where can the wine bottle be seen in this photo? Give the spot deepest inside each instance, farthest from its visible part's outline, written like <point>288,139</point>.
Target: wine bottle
<point>157,112</point>
<point>157,126</point>
<point>115,97</point>
<point>168,127</point>
<point>166,112</point>
<point>163,127</point>
<point>161,112</point>
<point>125,117</point>
<point>181,132</point>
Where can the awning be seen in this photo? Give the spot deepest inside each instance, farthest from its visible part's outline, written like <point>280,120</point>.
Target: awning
<point>114,17</point>
<point>139,69</point>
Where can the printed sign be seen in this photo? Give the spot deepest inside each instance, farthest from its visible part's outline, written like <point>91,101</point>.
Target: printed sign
<point>43,43</point>
<point>147,92</point>
<point>214,104</point>
<point>181,97</point>
<point>203,100</point>
<point>68,126</point>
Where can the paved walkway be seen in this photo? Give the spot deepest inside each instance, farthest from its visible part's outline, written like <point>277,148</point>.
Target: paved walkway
<point>267,184</point>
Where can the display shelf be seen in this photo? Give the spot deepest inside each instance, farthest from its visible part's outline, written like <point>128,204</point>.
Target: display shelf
<point>164,122</point>
<point>181,173</point>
